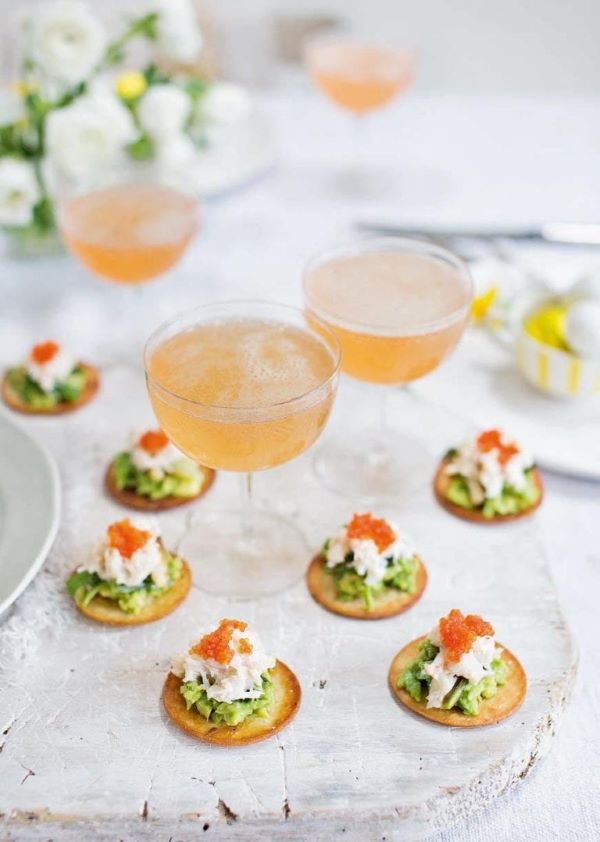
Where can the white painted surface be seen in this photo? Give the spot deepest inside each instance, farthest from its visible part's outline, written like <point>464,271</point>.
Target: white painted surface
<point>95,737</point>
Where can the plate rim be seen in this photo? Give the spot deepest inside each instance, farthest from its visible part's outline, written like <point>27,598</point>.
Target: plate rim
<point>36,564</point>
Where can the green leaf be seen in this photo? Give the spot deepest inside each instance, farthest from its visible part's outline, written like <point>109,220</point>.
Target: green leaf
<point>43,214</point>
<point>141,149</point>
<point>72,94</point>
<point>114,54</point>
<point>146,27</point>
<point>155,76</point>
<point>195,88</point>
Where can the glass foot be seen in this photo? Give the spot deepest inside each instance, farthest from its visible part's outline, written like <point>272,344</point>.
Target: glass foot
<point>244,556</point>
<point>377,470</point>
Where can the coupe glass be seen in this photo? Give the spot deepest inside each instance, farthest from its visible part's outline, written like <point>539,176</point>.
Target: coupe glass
<point>243,386</point>
<point>398,307</point>
<point>129,227</point>
<point>128,232</point>
<point>360,77</point>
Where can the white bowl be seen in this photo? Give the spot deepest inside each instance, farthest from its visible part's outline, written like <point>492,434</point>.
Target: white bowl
<point>556,372</point>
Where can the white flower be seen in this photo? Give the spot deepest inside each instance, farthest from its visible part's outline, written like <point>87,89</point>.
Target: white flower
<point>19,192</point>
<point>226,104</point>
<point>164,111</point>
<point>67,41</point>
<point>175,161</point>
<point>179,36</point>
<point>86,139</point>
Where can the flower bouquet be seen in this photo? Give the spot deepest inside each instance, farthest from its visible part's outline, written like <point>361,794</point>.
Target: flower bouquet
<point>78,111</point>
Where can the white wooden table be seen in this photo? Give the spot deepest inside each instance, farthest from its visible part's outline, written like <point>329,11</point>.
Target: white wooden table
<point>87,753</point>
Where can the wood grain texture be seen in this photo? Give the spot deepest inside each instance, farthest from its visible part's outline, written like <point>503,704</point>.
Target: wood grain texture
<point>391,603</point>
<point>106,759</point>
<point>507,700</point>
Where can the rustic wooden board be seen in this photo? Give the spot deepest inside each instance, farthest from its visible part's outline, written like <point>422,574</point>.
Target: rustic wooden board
<point>86,748</point>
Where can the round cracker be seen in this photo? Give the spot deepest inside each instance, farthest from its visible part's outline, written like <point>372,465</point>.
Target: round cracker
<point>441,483</point>
<point>287,696</point>
<point>92,383</point>
<point>131,500</point>
<point>391,602</point>
<point>107,611</point>
<point>506,701</point>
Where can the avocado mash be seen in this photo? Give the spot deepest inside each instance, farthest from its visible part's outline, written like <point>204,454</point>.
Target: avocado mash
<point>184,480</point>
<point>228,713</point>
<point>32,394</point>
<point>510,501</point>
<point>465,695</point>
<point>400,574</point>
<point>84,585</point>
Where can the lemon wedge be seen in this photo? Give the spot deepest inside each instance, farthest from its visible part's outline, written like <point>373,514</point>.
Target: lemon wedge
<point>482,303</point>
<point>548,325</point>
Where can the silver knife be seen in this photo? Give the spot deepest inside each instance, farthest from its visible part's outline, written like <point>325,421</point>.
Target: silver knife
<point>573,233</point>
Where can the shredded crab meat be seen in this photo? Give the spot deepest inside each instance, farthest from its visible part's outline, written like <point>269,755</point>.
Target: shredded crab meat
<point>458,633</point>
<point>365,527</point>
<point>44,352</point>
<point>126,538</point>
<point>153,441</point>
<point>217,645</point>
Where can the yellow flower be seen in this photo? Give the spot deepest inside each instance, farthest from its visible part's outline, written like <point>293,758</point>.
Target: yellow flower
<point>482,303</point>
<point>131,85</point>
<point>22,88</point>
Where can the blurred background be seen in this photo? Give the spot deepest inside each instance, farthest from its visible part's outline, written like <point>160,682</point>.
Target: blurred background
<point>463,46</point>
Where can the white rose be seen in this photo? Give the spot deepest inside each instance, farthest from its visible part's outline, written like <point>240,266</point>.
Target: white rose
<point>19,192</point>
<point>67,41</point>
<point>176,162</point>
<point>86,139</point>
<point>179,36</point>
<point>164,111</point>
<point>226,103</point>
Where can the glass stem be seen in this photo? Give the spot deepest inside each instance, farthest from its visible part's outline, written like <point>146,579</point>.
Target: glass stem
<point>247,485</point>
<point>378,451</point>
<point>382,410</point>
<point>359,157</point>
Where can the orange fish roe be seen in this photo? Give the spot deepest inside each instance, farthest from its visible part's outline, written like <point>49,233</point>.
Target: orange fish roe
<point>44,352</point>
<point>216,646</point>
<point>245,647</point>
<point>126,538</point>
<point>492,440</point>
<point>153,441</point>
<point>362,527</point>
<point>458,633</point>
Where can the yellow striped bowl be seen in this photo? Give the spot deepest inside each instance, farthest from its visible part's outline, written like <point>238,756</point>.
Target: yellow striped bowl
<point>556,372</point>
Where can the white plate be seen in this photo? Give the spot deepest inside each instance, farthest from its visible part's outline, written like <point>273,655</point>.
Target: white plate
<point>236,156</point>
<point>481,383</point>
<point>29,509</point>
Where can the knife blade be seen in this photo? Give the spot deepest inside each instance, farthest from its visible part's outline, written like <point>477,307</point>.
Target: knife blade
<point>567,233</point>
